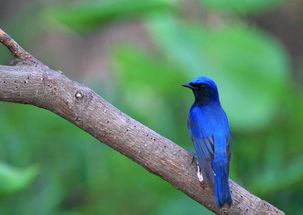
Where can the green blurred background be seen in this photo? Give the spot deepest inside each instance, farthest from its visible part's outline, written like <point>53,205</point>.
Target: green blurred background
<point>136,54</point>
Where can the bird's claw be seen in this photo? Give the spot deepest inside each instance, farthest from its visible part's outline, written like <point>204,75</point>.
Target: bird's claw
<point>194,158</point>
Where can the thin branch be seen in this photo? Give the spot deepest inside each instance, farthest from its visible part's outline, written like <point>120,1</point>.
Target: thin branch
<point>17,50</point>
<point>51,90</point>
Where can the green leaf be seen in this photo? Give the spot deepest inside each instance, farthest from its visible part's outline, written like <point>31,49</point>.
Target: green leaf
<point>179,43</point>
<point>14,179</point>
<point>90,15</point>
<point>239,6</point>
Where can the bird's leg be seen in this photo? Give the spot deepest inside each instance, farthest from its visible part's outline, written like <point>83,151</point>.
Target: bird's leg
<point>199,173</point>
<point>194,158</point>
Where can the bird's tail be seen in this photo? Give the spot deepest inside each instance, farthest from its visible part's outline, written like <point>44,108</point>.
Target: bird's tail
<point>222,191</point>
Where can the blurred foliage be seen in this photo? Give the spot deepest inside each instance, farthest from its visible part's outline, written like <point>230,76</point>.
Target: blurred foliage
<point>252,69</point>
<point>13,180</point>
<point>89,15</point>
<point>245,7</point>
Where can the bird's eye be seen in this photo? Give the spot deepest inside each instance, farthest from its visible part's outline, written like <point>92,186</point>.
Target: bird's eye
<point>198,86</point>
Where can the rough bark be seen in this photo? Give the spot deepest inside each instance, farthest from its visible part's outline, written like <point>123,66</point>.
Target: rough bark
<point>38,85</point>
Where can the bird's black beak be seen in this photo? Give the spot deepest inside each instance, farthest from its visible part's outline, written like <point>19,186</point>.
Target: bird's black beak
<point>188,85</point>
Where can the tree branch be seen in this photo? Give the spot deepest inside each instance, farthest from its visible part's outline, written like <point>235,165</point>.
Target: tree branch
<point>17,50</point>
<point>40,86</point>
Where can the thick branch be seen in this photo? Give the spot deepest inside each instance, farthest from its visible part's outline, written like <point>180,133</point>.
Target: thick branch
<point>81,106</point>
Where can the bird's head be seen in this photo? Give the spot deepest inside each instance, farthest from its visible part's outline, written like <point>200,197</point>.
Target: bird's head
<point>204,89</point>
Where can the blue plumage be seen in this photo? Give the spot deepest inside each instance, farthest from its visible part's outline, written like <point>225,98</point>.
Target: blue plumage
<point>209,131</point>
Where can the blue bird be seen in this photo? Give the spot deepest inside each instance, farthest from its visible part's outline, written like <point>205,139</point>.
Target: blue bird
<point>209,130</point>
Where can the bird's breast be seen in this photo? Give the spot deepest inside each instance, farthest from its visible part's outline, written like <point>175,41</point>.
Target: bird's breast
<point>208,121</point>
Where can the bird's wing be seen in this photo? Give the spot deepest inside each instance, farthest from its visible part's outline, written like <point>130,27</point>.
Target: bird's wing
<point>204,146</point>
<point>228,151</point>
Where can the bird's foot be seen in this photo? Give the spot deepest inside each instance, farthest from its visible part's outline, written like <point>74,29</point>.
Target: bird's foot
<point>194,158</point>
